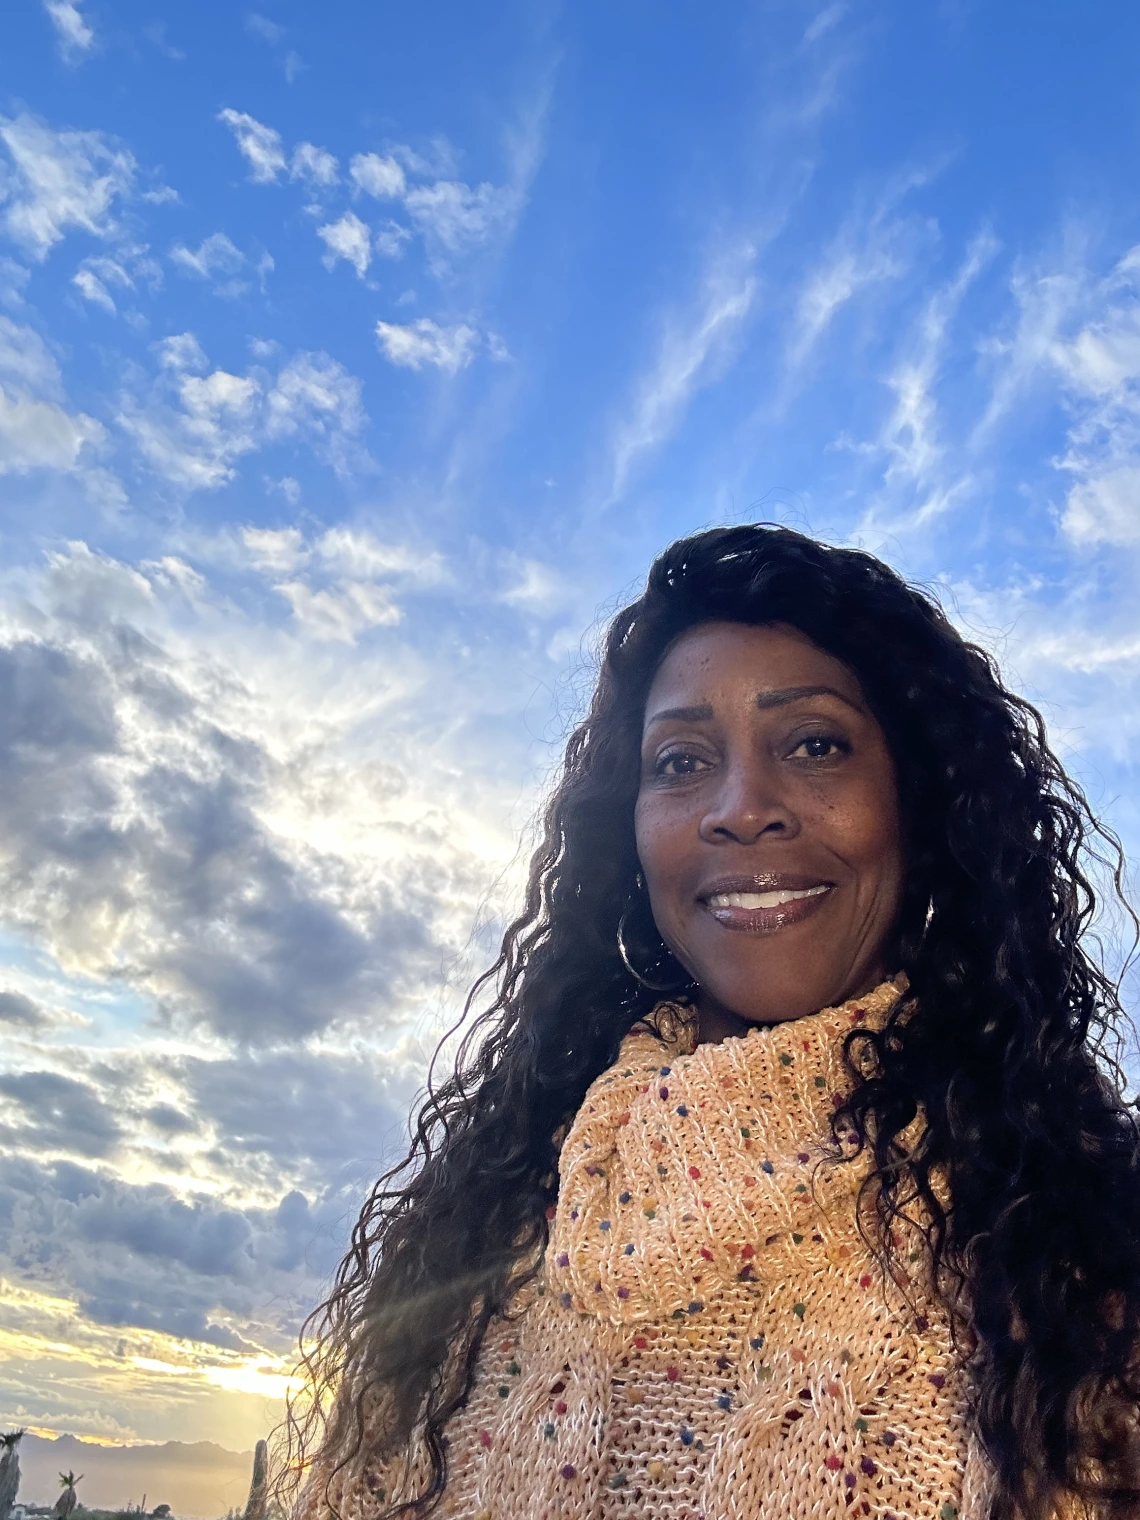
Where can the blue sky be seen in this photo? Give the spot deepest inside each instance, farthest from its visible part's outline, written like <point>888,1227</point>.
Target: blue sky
<point>353,365</point>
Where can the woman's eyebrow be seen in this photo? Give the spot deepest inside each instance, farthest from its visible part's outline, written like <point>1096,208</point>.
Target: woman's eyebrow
<point>780,697</point>
<point>785,694</point>
<point>700,714</point>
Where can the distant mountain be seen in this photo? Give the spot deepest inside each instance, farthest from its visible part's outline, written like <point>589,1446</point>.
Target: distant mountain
<point>196,1480</point>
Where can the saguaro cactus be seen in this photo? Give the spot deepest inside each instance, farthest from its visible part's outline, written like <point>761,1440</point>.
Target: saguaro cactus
<point>68,1499</point>
<point>256,1504</point>
<point>9,1471</point>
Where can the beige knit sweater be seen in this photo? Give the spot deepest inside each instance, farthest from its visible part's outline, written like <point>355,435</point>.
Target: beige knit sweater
<point>711,1339</point>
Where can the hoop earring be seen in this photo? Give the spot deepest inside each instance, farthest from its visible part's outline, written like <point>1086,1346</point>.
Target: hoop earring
<point>635,973</point>
<point>927,921</point>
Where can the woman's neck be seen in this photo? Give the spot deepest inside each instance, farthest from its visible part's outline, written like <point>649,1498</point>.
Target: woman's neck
<point>717,1023</point>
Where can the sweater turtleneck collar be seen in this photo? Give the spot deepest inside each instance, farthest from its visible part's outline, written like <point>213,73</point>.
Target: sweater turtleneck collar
<point>693,1169</point>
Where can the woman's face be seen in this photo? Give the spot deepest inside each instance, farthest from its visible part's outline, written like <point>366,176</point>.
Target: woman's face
<point>767,825</point>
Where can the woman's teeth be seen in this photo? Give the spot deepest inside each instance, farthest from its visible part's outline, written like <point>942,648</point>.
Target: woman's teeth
<point>764,899</point>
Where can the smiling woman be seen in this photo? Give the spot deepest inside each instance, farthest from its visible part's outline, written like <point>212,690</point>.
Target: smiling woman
<point>784,1173</point>
<point>771,813</point>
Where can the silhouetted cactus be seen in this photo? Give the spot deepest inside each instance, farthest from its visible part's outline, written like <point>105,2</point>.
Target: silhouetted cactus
<point>255,1505</point>
<point>9,1472</point>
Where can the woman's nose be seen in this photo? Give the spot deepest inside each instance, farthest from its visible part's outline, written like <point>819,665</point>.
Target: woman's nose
<point>747,805</point>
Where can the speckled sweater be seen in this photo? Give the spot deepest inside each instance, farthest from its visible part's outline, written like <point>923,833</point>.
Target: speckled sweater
<point>711,1338</point>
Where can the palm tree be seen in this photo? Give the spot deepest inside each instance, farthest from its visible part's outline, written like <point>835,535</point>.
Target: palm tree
<point>9,1471</point>
<point>68,1499</point>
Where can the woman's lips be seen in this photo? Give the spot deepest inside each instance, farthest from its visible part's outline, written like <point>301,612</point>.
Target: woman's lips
<point>760,911</point>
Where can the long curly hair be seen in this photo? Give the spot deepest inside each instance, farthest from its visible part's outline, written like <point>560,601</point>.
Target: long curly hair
<point>1001,1043</point>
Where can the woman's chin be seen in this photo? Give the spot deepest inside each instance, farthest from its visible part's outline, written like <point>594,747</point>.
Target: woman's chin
<point>784,996</point>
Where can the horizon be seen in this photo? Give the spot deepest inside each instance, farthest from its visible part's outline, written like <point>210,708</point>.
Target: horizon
<point>353,369</point>
<point>212,1478</point>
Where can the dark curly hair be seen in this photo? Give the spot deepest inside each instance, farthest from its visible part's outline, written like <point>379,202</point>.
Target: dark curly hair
<point>1000,1043</point>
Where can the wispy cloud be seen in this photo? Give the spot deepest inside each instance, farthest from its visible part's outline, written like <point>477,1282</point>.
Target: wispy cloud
<point>693,348</point>
<point>274,35</point>
<point>74,35</point>
<point>924,475</point>
<point>214,255</point>
<point>37,432</point>
<point>60,181</point>
<point>868,251</point>
<point>1077,331</point>
<point>258,144</point>
<point>457,216</point>
<point>825,21</point>
<point>1100,369</point>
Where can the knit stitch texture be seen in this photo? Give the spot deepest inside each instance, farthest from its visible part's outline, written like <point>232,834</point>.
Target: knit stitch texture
<point>711,1338</point>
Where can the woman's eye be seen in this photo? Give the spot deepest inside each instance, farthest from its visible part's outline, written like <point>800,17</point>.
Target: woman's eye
<point>679,763</point>
<point>821,747</point>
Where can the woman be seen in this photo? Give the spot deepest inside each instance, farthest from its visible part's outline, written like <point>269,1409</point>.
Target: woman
<point>781,1176</point>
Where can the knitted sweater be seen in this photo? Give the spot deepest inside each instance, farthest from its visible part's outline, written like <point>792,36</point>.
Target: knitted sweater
<point>711,1338</point>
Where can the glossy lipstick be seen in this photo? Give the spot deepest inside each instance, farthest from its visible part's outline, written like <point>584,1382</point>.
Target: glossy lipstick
<point>762,904</point>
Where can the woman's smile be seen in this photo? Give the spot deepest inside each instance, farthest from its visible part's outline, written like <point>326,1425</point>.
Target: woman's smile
<point>763,904</point>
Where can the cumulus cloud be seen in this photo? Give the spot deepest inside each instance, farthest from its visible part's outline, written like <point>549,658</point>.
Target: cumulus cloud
<point>316,166</point>
<point>19,1009</point>
<point>258,144</point>
<point>181,351</point>
<point>196,424</point>
<point>314,397</point>
<point>1105,506</point>
<point>348,239</point>
<point>378,176</point>
<point>52,1114</point>
<point>154,831</point>
<point>195,439</point>
<point>230,1258</point>
<point>342,613</point>
<point>424,342</point>
<point>73,34</point>
<point>201,812</point>
<point>231,930</point>
<point>60,180</point>
<point>339,584</point>
<point>452,217</point>
<point>275,550</point>
<point>143,1257</point>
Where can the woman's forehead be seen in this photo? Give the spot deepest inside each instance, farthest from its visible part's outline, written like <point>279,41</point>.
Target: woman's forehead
<point>729,660</point>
